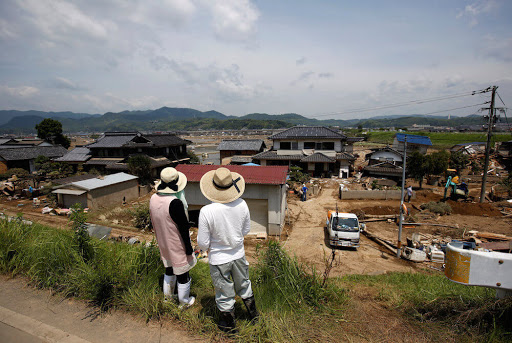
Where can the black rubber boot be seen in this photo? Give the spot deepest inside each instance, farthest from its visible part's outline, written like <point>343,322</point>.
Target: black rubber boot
<point>250,304</point>
<point>227,321</point>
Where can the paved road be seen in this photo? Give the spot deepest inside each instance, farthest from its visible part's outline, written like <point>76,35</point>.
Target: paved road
<point>31,315</point>
<point>8,334</point>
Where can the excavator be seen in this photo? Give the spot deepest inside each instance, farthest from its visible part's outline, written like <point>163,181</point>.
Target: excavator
<point>458,190</point>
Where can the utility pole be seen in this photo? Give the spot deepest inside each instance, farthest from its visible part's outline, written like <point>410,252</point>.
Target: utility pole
<point>492,118</point>
<point>399,244</point>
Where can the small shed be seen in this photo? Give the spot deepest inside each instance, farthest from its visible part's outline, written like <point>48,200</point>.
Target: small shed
<point>100,192</point>
<point>265,193</point>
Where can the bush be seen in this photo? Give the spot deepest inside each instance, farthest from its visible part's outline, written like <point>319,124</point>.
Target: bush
<point>141,217</point>
<point>296,174</point>
<point>283,282</point>
<point>441,208</point>
<point>19,172</point>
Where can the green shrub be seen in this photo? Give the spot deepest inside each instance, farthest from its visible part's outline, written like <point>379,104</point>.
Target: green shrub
<point>19,172</point>
<point>286,283</point>
<point>82,239</point>
<point>141,217</point>
<point>440,208</point>
<point>296,174</point>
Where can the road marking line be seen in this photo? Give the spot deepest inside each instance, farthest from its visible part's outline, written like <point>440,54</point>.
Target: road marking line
<point>36,328</point>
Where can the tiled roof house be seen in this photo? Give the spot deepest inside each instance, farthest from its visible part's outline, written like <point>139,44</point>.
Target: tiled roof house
<point>239,150</point>
<point>111,151</point>
<point>321,151</point>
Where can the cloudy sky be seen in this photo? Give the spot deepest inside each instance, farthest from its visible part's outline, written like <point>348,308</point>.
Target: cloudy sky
<point>322,59</point>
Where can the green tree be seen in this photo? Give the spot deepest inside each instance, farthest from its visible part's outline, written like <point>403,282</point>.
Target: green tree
<point>437,162</point>
<point>140,165</point>
<point>51,130</point>
<point>458,161</point>
<point>416,167</point>
<point>193,157</point>
<point>47,168</point>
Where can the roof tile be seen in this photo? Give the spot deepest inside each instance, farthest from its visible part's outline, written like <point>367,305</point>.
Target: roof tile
<point>269,175</point>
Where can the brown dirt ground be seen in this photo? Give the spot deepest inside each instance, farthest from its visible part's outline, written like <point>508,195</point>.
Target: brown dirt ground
<point>306,238</point>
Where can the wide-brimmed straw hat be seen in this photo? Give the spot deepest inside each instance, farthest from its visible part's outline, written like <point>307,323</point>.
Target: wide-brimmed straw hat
<point>171,181</point>
<point>222,185</point>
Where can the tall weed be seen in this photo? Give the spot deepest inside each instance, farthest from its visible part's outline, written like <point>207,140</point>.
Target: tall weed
<point>285,283</point>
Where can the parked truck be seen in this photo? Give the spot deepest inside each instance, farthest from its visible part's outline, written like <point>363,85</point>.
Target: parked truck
<point>343,229</point>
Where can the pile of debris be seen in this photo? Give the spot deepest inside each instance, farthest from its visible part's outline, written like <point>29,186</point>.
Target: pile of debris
<point>432,248</point>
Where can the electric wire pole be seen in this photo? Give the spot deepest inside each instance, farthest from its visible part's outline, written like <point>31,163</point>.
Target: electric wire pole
<point>492,119</point>
<point>399,243</point>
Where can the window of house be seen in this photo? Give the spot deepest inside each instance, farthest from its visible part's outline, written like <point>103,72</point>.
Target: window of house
<point>328,146</point>
<point>295,145</point>
<point>285,146</point>
<point>309,145</point>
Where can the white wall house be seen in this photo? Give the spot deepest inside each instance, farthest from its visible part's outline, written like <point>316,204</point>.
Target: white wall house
<point>318,150</point>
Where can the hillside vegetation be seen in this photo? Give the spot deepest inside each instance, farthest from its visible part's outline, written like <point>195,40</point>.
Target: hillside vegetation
<point>167,118</point>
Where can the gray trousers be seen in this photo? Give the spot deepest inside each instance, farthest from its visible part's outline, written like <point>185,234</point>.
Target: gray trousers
<point>230,279</point>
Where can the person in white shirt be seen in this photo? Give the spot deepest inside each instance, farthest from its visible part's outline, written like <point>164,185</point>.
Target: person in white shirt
<point>221,230</point>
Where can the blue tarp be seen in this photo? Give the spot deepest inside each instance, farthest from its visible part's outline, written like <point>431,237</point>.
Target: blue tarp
<point>414,139</point>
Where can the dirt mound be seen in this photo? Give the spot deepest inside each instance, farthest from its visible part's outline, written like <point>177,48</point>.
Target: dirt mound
<point>379,210</point>
<point>474,209</point>
<point>426,196</point>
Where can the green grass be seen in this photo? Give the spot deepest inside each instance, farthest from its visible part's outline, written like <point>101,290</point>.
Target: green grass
<point>290,298</point>
<point>293,303</point>
<point>472,312</point>
<point>441,139</point>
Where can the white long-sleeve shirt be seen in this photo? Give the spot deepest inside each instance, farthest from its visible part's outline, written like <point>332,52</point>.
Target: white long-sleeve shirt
<point>222,228</point>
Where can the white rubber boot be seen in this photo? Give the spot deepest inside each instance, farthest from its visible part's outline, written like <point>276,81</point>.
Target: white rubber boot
<point>169,285</point>
<point>184,294</point>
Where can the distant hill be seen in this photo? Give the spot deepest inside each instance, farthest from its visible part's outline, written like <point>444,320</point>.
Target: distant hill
<point>169,118</point>
<point>7,115</point>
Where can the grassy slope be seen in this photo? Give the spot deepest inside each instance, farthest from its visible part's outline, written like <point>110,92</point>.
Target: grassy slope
<point>293,303</point>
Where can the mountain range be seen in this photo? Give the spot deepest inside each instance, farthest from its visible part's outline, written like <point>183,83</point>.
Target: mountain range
<point>167,118</point>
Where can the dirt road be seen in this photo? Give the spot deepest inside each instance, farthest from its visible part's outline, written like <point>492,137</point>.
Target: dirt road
<point>307,238</point>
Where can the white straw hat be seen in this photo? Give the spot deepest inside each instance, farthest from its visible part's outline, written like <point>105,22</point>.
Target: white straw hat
<point>171,181</point>
<point>222,185</point>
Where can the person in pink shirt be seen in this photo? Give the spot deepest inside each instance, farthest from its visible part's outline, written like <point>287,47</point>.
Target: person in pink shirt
<point>167,209</point>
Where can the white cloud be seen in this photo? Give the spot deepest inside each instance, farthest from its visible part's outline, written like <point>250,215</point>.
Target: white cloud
<point>59,20</point>
<point>301,61</point>
<point>20,92</point>
<point>165,13</point>
<point>474,10</point>
<point>498,49</point>
<point>63,83</point>
<point>234,20</point>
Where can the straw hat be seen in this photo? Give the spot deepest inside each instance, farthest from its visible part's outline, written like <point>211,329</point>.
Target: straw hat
<point>222,185</point>
<point>171,181</point>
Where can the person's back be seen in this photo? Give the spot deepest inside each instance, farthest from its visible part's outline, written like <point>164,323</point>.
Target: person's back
<point>227,225</point>
<point>221,230</point>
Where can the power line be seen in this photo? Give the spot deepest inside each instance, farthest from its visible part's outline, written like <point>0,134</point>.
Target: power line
<point>504,109</point>
<point>453,109</point>
<point>406,103</point>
